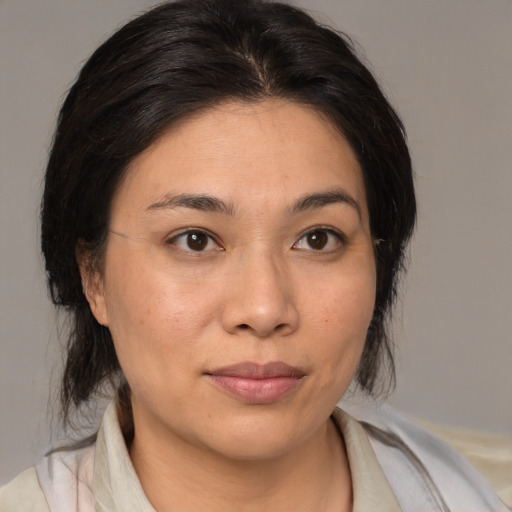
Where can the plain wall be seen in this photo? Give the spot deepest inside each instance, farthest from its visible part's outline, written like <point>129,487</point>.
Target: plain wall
<point>446,65</point>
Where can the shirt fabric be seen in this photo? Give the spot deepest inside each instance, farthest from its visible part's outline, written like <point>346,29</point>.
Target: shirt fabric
<point>101,477</point>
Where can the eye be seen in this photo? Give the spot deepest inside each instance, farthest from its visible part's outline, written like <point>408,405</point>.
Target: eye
<point>195,241</point>
<point>319,240</point>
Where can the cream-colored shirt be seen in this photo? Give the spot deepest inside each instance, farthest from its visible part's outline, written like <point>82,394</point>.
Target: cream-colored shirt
<point>107,480</point>
<point>115,486</point>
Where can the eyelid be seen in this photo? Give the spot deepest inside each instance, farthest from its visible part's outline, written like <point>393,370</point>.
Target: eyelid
<point>341,238</point>
<point>332,232</point>
<point>171,239</point>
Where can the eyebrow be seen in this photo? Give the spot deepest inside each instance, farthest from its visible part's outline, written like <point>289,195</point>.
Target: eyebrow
<point>321,199</point>
<point>203,203</point>
<point>212,204</point>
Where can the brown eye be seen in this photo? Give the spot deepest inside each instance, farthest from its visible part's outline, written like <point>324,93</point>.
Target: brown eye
<point>197,241</point>
<point>324,240</point>
<point>317,240</point>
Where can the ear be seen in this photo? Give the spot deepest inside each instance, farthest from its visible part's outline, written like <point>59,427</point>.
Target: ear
<point>92,285</point>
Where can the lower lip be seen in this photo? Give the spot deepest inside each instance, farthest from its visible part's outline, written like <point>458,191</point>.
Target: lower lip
<point>257,391</point>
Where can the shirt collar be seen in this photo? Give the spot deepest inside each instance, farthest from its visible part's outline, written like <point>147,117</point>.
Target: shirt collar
<point>370,487</point>
<point>117,487</point>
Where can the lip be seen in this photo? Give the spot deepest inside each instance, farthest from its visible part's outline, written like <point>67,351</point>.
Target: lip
<point>257,383</point>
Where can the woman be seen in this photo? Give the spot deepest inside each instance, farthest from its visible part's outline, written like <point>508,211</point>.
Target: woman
<point>227,204</point>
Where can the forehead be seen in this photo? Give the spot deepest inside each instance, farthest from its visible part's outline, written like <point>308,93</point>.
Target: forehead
<point>274,150</point>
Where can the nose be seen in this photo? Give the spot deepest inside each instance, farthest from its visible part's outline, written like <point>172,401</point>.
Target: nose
<point>260,299</point>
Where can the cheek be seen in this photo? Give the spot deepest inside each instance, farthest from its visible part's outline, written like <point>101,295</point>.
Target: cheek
<point>344,303</point>
<point>154,321</point>
<point>340,322</point>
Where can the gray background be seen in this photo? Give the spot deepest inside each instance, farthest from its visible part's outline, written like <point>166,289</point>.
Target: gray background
<point>446,64</point>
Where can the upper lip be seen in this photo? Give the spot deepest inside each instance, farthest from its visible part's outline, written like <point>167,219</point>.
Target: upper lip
<point>250,370</point>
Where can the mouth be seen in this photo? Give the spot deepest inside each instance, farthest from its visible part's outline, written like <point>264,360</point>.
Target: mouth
<point>257,384</point>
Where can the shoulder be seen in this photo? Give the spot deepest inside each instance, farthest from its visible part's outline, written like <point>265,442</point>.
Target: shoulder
<point>66,479</point>
<point>23,494</point>
<point>408,452</point>
<point>490,454</point>
<point>60,482</point>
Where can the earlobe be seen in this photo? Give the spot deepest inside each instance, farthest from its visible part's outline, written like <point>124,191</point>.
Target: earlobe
<point>92,286</point>
<point>94,293</point>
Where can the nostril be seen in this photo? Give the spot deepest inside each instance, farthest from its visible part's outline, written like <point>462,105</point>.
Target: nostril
<point>278,328</point>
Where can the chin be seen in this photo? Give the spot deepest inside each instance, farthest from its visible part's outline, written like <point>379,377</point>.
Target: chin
<point>258,436</point>
<point>253,448</point>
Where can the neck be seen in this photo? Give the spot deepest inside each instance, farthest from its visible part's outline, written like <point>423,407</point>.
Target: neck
<point>177,475</point>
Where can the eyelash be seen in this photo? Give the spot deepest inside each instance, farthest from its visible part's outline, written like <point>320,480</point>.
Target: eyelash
<point>340,238</point>
<point>191,232</point>
<point>329,232</point>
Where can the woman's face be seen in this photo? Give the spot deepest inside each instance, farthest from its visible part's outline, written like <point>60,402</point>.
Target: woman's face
<point>239,278</point>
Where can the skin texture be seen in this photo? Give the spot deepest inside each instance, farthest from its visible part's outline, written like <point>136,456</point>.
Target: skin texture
<point>259,290</point>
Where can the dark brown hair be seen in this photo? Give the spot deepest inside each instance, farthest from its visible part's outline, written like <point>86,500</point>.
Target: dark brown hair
<point>177,59</point>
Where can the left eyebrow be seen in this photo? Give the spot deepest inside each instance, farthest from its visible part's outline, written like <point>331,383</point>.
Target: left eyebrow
<point>321,199</point>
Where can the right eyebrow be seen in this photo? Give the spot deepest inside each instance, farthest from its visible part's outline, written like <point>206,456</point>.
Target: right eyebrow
<point>200,202</point>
